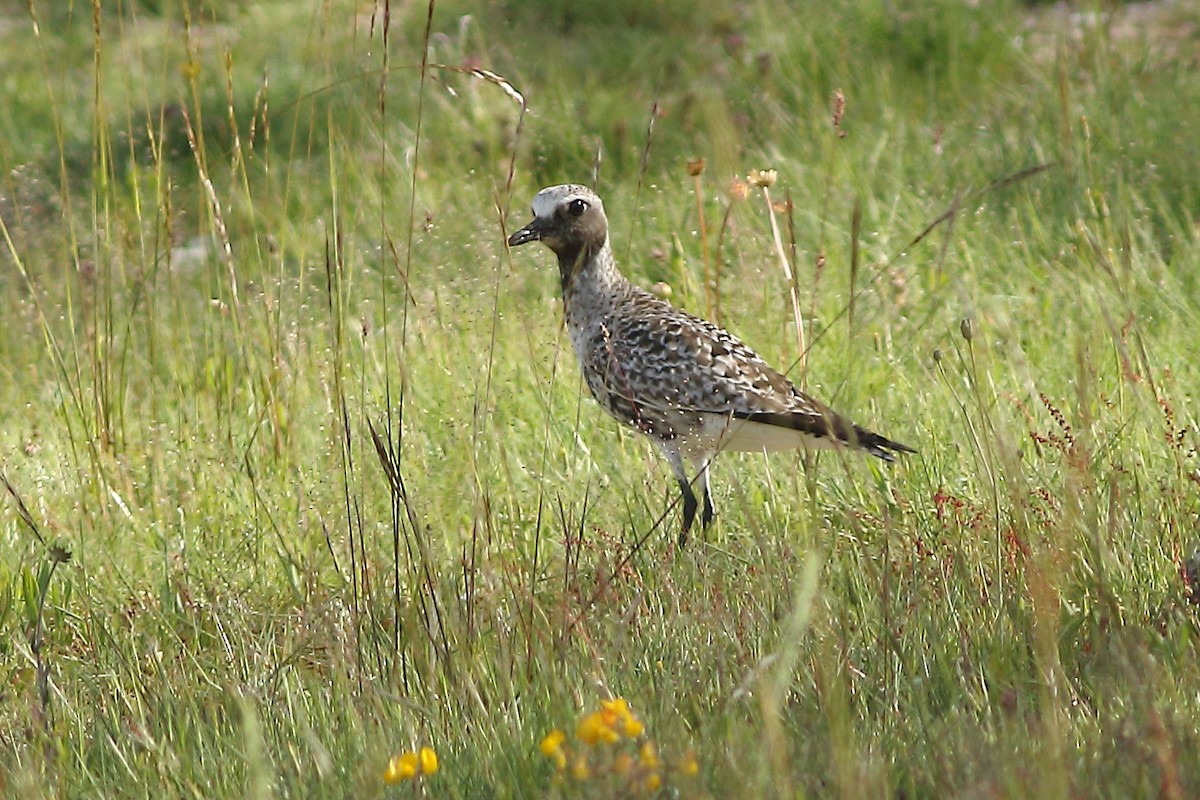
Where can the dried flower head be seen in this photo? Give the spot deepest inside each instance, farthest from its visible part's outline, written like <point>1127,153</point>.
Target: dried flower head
<point>839,111</point>
<point>967,328</point>
<point>762,178</point>
<point>1191,577</point>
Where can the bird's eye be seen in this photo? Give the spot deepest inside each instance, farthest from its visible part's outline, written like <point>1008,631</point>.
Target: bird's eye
<point>577,207</point>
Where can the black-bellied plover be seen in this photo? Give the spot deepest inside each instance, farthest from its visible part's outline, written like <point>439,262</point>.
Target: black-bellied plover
<point>689,385</point>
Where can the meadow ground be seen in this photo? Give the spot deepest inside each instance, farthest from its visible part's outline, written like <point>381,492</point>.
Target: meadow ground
<point>299,477</point>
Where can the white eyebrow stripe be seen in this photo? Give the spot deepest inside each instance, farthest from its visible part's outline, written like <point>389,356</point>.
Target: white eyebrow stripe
<point>545,203</point>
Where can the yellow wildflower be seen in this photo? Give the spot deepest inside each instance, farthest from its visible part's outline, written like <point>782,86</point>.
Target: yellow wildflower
<point>649,755</point>
<point>618,705</point>
<point>597,727</point>
<point>401,768</point>
<point>552,748</point>
<point>622,718</point>
<point>552,743</point>
<point>428,760</point>
<point>409,765</point>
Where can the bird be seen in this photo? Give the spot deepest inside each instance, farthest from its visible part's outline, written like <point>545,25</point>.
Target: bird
<point>690,386</point>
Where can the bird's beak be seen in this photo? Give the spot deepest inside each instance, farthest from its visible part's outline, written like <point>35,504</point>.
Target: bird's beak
<point>530,233</point>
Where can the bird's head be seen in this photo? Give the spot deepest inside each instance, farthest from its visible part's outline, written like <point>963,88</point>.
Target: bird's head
<point>569,219</point>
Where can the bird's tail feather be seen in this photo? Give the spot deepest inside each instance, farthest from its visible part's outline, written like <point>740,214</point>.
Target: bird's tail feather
<point>831,427</point>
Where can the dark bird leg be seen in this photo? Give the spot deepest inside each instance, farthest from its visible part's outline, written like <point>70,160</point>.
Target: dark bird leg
<point>689,509</point>
<point>685,490</point>
<point>706,516</point>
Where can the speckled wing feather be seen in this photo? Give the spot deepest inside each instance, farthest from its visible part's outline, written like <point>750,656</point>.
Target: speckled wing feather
<point>660,369</point>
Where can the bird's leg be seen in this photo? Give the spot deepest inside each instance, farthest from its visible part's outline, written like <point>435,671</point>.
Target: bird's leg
<point>706,516</point>
<point>689,509</point>
<point>685,490</point>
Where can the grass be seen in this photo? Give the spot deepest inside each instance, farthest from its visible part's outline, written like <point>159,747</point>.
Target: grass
<point>300,476</point>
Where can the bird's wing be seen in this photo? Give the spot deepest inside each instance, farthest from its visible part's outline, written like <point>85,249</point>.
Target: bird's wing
<point>656,357</point>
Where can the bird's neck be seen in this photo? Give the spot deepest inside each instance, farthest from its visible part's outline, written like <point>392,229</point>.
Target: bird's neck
<point>588,269</point>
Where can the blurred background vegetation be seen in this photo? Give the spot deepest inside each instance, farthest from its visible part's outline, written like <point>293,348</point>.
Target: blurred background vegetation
<point>298,471</point>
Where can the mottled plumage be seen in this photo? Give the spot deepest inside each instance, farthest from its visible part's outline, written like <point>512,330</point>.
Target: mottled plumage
<point>692,387</point>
